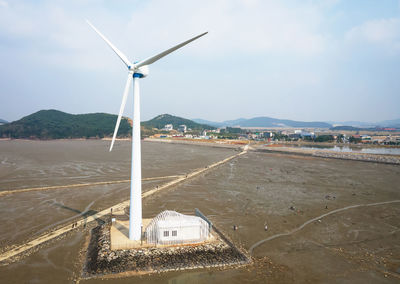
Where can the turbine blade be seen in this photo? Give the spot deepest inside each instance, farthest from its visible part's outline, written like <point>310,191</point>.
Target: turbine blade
<point>153,59</point>
<point>116,50</point>
<point>121,110</point>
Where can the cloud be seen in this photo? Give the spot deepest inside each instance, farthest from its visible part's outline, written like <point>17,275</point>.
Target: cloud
<point>236,26</point>
<point>3,3</point>
<point>55,32</point>
<point>382,32</point>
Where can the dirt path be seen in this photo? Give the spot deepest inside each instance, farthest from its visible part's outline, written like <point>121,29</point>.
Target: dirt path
<point>11,191</point>
<point>49,236</point>
<point>315,219</point>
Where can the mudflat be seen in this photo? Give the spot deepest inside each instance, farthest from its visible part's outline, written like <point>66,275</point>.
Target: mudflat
<point>284,192</point>
<point>32,164</point>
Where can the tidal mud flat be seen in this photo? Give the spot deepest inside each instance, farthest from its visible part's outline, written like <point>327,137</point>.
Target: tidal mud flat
<point>280,190</point>
<point>27,164</point>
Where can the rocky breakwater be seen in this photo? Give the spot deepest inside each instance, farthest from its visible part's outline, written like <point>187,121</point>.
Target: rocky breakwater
<point>386,159</point>
<point>101,260</point>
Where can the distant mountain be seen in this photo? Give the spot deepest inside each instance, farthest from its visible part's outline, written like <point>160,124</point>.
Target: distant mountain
<point>352,123</point>
<point>234,122</point>
<point>352,128</point>
<point>359,124</point>
<point>268,122</point>
<point>207,122</point>
<point>390,123</point>
<point>2,121</point>
<point>161,120</point>
<point>54,124</point>
<point>273,122</point>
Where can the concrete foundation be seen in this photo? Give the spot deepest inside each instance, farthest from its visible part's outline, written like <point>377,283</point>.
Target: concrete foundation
<point>119,235</point>
<point>141,258</point>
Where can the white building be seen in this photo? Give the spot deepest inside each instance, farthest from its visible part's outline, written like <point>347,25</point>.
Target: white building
<point>170,227</point>
<point>182,128</point>
<point>168,127</point>
<point>268,134</point>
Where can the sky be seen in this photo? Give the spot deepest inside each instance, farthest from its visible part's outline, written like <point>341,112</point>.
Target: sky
<point>309,60</point>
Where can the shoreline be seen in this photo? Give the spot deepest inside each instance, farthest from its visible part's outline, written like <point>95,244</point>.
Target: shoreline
<point>329,144</point>
<point>227,143</point>
<point>321,153</point>
<point>196,143</point>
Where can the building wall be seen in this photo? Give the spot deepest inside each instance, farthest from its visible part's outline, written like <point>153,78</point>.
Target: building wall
<point>189,229</point>
<point>183,234</point>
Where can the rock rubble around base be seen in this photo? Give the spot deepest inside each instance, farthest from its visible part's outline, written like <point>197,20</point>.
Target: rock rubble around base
<point>102,260</point>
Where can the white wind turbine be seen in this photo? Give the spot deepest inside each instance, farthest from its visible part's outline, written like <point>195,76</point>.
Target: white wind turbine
<point>136,71</point>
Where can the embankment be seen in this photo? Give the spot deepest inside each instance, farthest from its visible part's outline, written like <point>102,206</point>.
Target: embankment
<point>375,158</point>
<point>210,143</point>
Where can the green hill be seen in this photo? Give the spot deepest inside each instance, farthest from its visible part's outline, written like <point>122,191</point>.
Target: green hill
<point>2,121</point>
<point>54,124</point>
<point>160,121</point>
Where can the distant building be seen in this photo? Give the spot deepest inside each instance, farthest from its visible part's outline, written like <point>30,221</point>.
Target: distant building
<point>170,227</point>
<point>218,130</point>
<point>365,138</point>
<point>307,134</point>
<point>268,134</point>
<point>294,136</point>
<point>182,128</point>
<point>168,127</point>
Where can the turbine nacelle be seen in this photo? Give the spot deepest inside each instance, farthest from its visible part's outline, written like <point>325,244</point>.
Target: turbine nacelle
<point>140,72</point>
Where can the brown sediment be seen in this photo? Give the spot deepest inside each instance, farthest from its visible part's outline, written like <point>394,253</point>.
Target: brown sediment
<point>12,191</point>
<point>291,155</point>
<point>220,143</point>
<point>10,254</point>
<point>316,219</point>
<point>357,245</point>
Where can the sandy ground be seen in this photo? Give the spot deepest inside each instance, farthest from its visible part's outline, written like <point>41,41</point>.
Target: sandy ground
<point>357,245</point>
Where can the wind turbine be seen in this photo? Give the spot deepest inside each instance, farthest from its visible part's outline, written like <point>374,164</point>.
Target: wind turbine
<point>135,72</point>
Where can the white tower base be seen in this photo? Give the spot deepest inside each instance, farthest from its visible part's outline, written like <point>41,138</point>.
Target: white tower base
<point>135,211</point>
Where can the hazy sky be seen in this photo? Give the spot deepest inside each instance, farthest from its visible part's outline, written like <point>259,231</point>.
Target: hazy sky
<point>303,60</point>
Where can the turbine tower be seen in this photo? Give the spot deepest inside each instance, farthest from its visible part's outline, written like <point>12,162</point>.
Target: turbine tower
<point>135,72</point>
